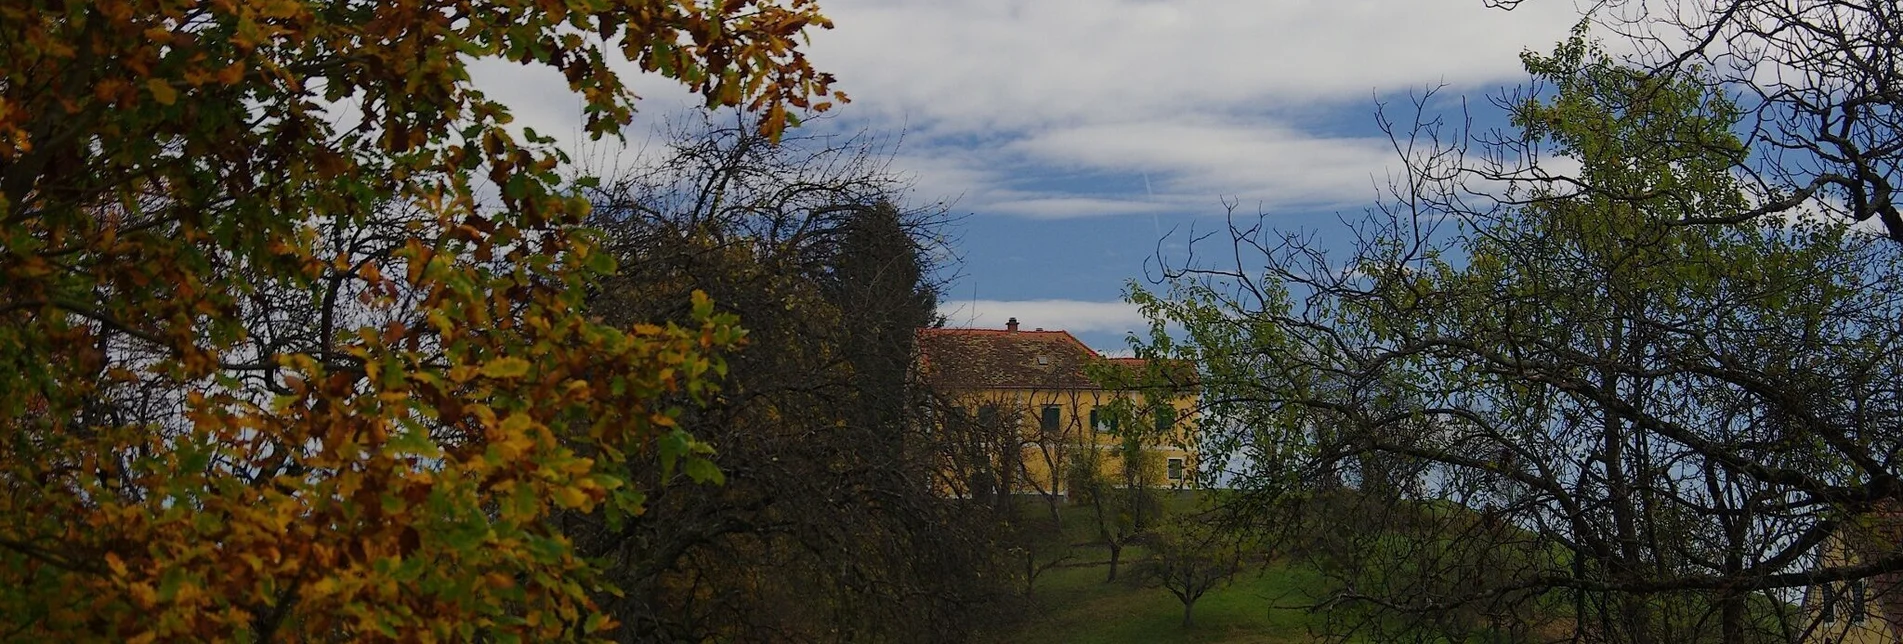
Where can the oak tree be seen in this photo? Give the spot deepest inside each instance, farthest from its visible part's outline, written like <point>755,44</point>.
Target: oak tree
<point>292,342</point>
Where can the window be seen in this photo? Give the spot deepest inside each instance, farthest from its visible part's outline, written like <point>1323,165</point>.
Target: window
<point>1828,602</point>
<point>988,417</point>
<point>1048,421</point>
<point>1165,419</point>
<point>1102,420</point>
<point>1845,602</point>
<point>1857,599</point>
<point>1176,469</point>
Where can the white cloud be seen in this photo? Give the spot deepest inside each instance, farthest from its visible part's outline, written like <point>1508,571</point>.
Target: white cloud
<point>1257,161</point>
<point>1075,316</point>
<point>1059,207</point>
<point>1205,98</point>
<point>988,64</point>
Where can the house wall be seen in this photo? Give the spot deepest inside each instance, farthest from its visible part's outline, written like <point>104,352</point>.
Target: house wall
<point>1858,614</point>
<point>1046,454</point>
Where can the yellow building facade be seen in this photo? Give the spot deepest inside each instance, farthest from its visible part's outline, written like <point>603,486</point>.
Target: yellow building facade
<point>1029,411</point>
<point>1861,611</point>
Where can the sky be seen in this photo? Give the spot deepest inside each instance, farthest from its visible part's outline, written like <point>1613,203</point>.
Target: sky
<point>1078,140</point>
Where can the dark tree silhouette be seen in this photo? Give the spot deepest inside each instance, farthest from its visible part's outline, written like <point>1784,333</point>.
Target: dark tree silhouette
<point>828,525</point>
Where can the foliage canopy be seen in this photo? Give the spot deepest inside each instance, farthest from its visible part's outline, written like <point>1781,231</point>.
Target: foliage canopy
<point>271,363</point>
<point>1565,414</point>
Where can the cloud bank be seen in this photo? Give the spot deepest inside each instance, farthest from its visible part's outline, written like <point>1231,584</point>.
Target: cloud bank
<point>1079,108</point>
<point>1269,101</point>
<point>1075,316</point>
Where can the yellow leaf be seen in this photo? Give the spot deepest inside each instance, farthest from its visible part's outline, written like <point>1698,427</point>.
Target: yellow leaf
<point>569,497</point>
<point>143,596</point>
<point>506,368</point>
<point>279,9</point>
<point>117,565</point>
<point>514,439</point>
<point>162,91</point>
<point>322,587</point>
<point>517,424</point>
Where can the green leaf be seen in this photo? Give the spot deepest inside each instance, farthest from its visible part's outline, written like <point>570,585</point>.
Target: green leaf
<point>507,367</point>
<point>596,622</point>
<point>704,471</point>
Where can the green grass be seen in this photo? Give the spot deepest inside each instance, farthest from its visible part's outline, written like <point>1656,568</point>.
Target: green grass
<point>1075,604</point>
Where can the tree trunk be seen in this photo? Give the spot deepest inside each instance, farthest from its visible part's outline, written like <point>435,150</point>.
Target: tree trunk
<point>1030,571</point>
<point>1187,606</point>
<point>1733,616</point>
<point>1635,612</point>
<point>1116,551</point>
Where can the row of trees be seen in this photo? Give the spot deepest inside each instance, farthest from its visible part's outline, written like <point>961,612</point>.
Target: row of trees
<point>1628,403</point>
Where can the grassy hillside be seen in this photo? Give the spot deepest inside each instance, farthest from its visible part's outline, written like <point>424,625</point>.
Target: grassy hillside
<point>1073,603</point>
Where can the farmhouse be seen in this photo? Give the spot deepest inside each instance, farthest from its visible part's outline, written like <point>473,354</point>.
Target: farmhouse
<point>1860,611</point>
<point>1032,401</point>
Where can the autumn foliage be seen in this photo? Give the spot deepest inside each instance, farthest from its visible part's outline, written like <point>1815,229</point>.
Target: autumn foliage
<point>271,367</point>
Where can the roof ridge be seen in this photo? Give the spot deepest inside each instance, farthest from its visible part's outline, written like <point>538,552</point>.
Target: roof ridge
<point>1007,332</point>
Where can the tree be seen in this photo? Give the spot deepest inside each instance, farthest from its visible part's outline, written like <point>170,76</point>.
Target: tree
<point>1821,130</point>
<point>1628,429</point>
<point>979,450</point>
<point>274,373</point>
<point>828,525</point>
<point>879,277</point>
<point>1123,513</point>
<point>1054,445</point>
<point>1189,557</point>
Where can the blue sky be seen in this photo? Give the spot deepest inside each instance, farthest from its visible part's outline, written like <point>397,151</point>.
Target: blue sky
<point>1069,133</point>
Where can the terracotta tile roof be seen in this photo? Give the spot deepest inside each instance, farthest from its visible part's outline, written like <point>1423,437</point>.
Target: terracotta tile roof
<point>1176,374</point>
<point>1002,359</point>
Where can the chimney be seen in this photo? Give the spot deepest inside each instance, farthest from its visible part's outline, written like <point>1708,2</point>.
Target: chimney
<point>1011,325</point>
